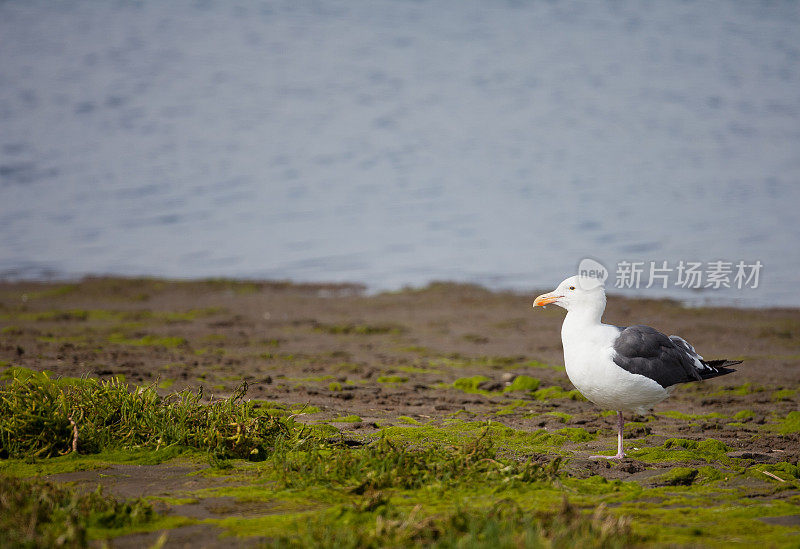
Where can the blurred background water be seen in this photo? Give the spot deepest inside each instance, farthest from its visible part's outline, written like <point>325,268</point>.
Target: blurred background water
<point>397,142</point>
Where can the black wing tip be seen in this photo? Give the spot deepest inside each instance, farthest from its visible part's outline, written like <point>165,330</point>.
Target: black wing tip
<point>722,363</point>
<point>718,371</point>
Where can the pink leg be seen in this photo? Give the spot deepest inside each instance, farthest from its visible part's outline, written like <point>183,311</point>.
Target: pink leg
<point>620,453</point>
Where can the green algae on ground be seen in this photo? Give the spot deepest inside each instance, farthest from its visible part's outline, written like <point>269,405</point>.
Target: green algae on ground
<point>408,420</point>
<point>431,473</point>
<point>689,417</point>
<point>42,514</point>
<point>677,476</point>
<point>512,407</point>
<point>680,449</point>
<point>789,424</point>
<point>34,467</point>
<point>392,379</point>
<point>382,522</point>
<point>555,392</point>
<point>347,419</point>
<point>470,384</point>
<point>503,438</point>
<point>147,341</point>
<point>636,428</point>
<point>523,383</point>
<point>564,417</point>
<point>724,504</point>
<point>359,329</point>
<point>783,394</point>
<point>107,315</point>
<point>166,383</point>
<point>742,390</point>
<point>744,414</point>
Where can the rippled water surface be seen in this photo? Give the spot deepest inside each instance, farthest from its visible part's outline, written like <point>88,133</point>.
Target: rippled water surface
<point>398,142</point>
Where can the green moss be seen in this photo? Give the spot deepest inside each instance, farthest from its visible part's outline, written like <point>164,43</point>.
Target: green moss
<point>709,474</point>
<point>359,329</point>
<point>635,428</point>
<point>147,341</point>
<point>58,291</point>
<point>789,424</point>
<point>416,349</point>
<point>511,407</point>
<point>408,420</point>
<point>742,390</point>
<point>677,476</point>
<point>470,384</point>
<point>555,392</point>
<point>576,434</point>
<point>784,469</point>
<point>680,449</point>
<point>348,419</point>
<point>564,417</point>
<point>304,409</point>
<point>456,360</point>
<point>783,394</point>
<point>334,386</point>
<point>62,339</point>
<point>460,524</point>
<point>744,414</point>
<point>105,315</point>
<point>166,383</point>
<point>691,417</point>
<point>523,383</point>
<point>503,438</point>
<point>392,379</point>
<point>18,372</point>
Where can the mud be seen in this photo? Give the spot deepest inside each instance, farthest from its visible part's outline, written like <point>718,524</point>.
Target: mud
<point>330,351</point>
<point>334,348</point>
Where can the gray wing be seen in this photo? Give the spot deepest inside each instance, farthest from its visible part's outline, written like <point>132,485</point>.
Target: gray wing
<point>646,351</point>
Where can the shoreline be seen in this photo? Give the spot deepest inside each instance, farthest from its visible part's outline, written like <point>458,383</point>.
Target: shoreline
<point>364,289</point>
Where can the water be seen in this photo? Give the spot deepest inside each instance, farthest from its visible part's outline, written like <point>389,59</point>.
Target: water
<point>397,142</point>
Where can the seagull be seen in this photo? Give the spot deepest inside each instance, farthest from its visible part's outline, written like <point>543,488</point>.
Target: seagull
<point>626,369</point>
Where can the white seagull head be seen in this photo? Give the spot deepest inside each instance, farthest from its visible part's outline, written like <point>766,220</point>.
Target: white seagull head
<point>576,293</point>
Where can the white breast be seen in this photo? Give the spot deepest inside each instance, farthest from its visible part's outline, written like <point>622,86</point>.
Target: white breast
<point>588,357</point>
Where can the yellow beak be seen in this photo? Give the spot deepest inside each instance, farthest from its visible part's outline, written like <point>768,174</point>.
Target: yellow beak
<point>546,299</point>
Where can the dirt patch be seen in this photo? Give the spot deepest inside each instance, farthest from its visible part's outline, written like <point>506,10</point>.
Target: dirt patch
<point>193,536</point>
<point>135,481</point>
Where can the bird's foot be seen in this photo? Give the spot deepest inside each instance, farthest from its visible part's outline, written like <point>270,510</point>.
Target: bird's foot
<point>618,456</point>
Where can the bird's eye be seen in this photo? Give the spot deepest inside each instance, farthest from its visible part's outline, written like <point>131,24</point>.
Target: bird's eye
<point>572,287</point>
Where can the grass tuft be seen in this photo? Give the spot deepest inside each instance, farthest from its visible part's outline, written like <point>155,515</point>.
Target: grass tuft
<point>379,523</point>
<point>42,514</point>
<point>44,417</point>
